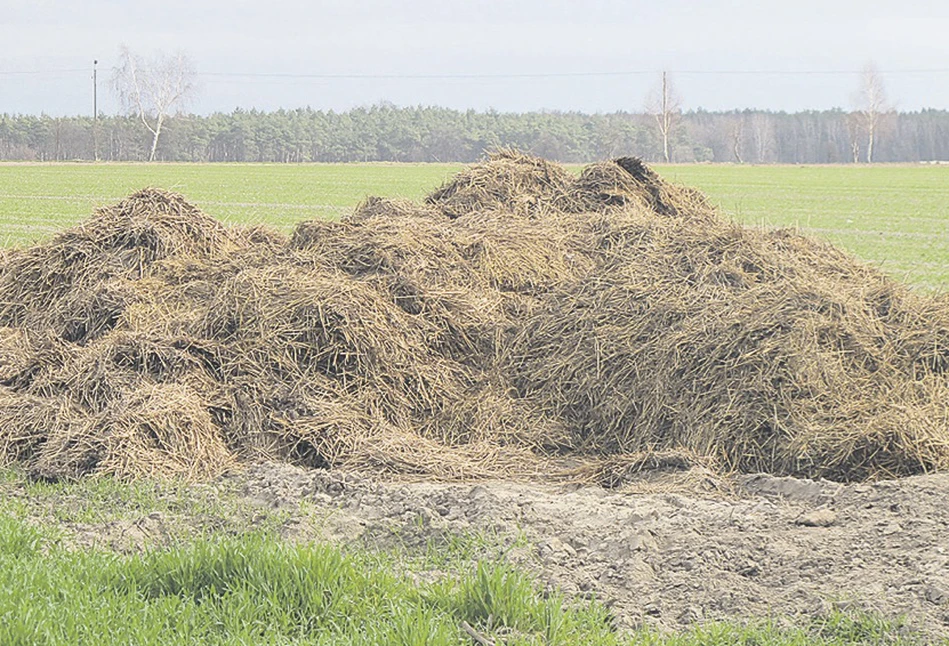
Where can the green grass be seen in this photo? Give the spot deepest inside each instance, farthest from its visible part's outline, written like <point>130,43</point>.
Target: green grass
<point>893,216</point>
<point>256,589</point>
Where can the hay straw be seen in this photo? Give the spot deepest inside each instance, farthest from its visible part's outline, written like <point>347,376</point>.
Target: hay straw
<point>519,316</point>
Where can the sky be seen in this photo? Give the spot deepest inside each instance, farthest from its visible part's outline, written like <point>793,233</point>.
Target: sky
<point>514,55</point>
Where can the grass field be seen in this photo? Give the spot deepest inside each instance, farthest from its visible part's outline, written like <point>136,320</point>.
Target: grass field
<point>36,199</point>
<point>893,216</point>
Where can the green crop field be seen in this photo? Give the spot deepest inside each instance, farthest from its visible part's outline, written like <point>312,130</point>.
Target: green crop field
<point>893,216</point>
<point>36,199</point>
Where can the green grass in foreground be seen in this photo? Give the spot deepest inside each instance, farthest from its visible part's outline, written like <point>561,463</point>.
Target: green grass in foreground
<point>256,589</point>
<point>893,216</point>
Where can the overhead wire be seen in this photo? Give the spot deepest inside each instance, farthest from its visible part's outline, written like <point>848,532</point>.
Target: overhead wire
<point>510,75</point>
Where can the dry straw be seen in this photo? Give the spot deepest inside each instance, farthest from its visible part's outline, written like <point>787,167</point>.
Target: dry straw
<point>521,317</point>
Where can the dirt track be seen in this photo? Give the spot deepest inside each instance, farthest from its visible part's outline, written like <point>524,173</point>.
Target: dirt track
<point>770,545</point>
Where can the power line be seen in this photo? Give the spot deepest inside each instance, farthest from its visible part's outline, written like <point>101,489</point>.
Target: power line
<point>419,76</point>
<point>69,71</point>
<point>523,75</point>
<point>540,75</point>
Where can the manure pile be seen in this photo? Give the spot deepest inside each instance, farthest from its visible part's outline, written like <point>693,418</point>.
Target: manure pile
<point>516,315</point>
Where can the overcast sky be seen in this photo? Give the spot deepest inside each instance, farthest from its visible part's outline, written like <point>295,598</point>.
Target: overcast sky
<point>593,56</point>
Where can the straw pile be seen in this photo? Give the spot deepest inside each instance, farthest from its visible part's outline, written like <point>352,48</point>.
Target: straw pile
<point>519,314</point>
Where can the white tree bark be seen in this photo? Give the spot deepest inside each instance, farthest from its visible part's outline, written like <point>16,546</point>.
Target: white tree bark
<point>872,105</point>
<point>664,104</point>
<point>763,136</point>
<point>153,89</point>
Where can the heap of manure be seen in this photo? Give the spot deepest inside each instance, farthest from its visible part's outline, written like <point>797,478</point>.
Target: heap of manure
<point>519,318</point>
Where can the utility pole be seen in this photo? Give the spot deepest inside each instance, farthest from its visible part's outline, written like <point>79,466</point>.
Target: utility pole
<point>665,117</point>
<point>95,111</point>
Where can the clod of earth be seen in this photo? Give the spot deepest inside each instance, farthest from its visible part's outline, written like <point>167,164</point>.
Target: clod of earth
<point>818,518</point>
<point>517,318</point>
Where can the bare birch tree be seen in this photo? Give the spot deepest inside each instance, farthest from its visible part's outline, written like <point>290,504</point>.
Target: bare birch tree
<point>737,128</point>
<point>153,89</point>
<point>764,137</point>
<point>854,130</point>
<point>871,105</point>
<point>665,106</point>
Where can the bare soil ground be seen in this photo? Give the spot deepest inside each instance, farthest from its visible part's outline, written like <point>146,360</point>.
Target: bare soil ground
<point>667,552</point>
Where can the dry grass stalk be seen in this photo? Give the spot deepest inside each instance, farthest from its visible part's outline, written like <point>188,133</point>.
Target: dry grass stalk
<point>520,314</point>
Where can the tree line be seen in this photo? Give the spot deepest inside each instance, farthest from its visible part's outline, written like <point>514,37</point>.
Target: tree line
<point>385,132</point>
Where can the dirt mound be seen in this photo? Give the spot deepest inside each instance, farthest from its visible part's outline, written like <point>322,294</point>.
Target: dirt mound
<point>518,316</point>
